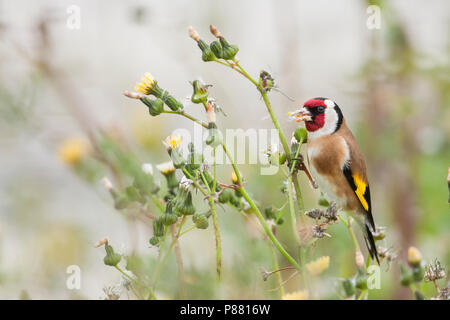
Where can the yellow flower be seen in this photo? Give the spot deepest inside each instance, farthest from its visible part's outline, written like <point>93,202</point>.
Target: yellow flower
<point>72,151</point>
<point>172,142</point>
<point>414,256</point>
<point>234,177</point>
<point>297,295</point>
<point>166,167</point>
<point>318,266</point>
<point>147,83</point>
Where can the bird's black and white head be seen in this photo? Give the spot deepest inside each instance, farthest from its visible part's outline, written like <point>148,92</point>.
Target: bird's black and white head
<point>322,116</point>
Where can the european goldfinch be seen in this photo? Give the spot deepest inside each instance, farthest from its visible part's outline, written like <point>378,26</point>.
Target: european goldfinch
<point>337,163</point>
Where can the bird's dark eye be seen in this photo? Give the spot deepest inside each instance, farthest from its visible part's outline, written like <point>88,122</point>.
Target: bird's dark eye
<point>320,109</point>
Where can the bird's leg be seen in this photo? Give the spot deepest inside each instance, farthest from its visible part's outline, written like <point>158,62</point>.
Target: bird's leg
<point>231,186</point>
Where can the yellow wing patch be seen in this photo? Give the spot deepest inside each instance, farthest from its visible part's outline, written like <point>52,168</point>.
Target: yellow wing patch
<point>360,190</point>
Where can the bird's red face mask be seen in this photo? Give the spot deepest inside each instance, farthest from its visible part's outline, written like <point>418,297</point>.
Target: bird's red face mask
<point>313,113</point>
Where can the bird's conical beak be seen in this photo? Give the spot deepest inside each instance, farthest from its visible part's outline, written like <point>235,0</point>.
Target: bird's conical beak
<point>301,114</point>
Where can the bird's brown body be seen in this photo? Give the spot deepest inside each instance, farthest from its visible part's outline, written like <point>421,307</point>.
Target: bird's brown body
<point>337,164</point>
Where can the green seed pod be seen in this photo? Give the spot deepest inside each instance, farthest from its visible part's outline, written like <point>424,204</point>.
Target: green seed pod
<point>134,195</point>
<point>158,228</point>
<point>200,221</point>
<point>155,107</point>
<point>111,258</point>
<point>282,158</point>
<point>154,241</point>
<point>184,205</point>
<point>194,160</point>
<point>217,49</point>
<point>207,55</point>
<point>169,217</point>
<point>228,51</point>
<point>419,295</point>
<point>225,195</point>
<point>405,276</point>
<point>349,288</point>
<point>215,137</point>
<point>323,201</point>
<point>121,202</point>
<point>301,135</point>
<point>177,158</point>
<point>234,200</point>
<point>361,279</point>
<point>200,94</point>
<point>165,96</point>
<point>172,181</point>
<point>418,273</point>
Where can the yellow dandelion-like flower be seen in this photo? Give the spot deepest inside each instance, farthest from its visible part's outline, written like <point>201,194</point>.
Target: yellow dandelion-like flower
<point>166,167</point>
<point>234,177</point>
<point>71,151</point>
<point>414,256</point>
<point>318,266</point>
<point>297,295</point>
<point>172,142</point>
<point>147,83</point>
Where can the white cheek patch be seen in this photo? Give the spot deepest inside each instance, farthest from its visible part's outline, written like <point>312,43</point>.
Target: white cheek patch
<point>331,120</point>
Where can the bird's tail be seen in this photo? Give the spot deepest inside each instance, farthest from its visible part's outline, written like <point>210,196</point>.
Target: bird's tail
<point>370,241</point>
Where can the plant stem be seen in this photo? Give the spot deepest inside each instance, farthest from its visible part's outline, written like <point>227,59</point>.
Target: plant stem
<point>216,226</point>
<point>180,265</point>
<point>275,266</point>
<point>267,229</point>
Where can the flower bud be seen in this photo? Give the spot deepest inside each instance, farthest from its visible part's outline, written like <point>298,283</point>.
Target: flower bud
<point>235,200</point>
<point>134,195</point>
<point>194,160</point>
<point>419,295</point>
<point>417,273</point>
<point>228,51</point>
<point>200,220</point>
<point>217,49</point>
<point>149,85</point>
<point>414,256</point>
<point>168,170</point>
<point>300,134</point>
<point>323,201</point>
<point>154,240</point>
<point>158,228</point>
<point>169,217</point>
<point>215,137</point>
<point>361,279</point>
<point>111,258</point>
<point>121,202</point>
<point>349,287</point>
<point>272,213</point>
<point>155,107</point>
<point>405,276</point>
<point>225,195</point>
<point>200,93</point>
<point>183,202</point>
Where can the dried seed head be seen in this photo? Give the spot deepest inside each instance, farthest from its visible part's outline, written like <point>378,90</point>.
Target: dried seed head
<point>193,34</point>
<point>147,168</point>
<point>434,271</point>
<point>319,231</point>
<point>331,212</point>
<point>315,213</point>
<point>216,33</point>
<point>444,294</point>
